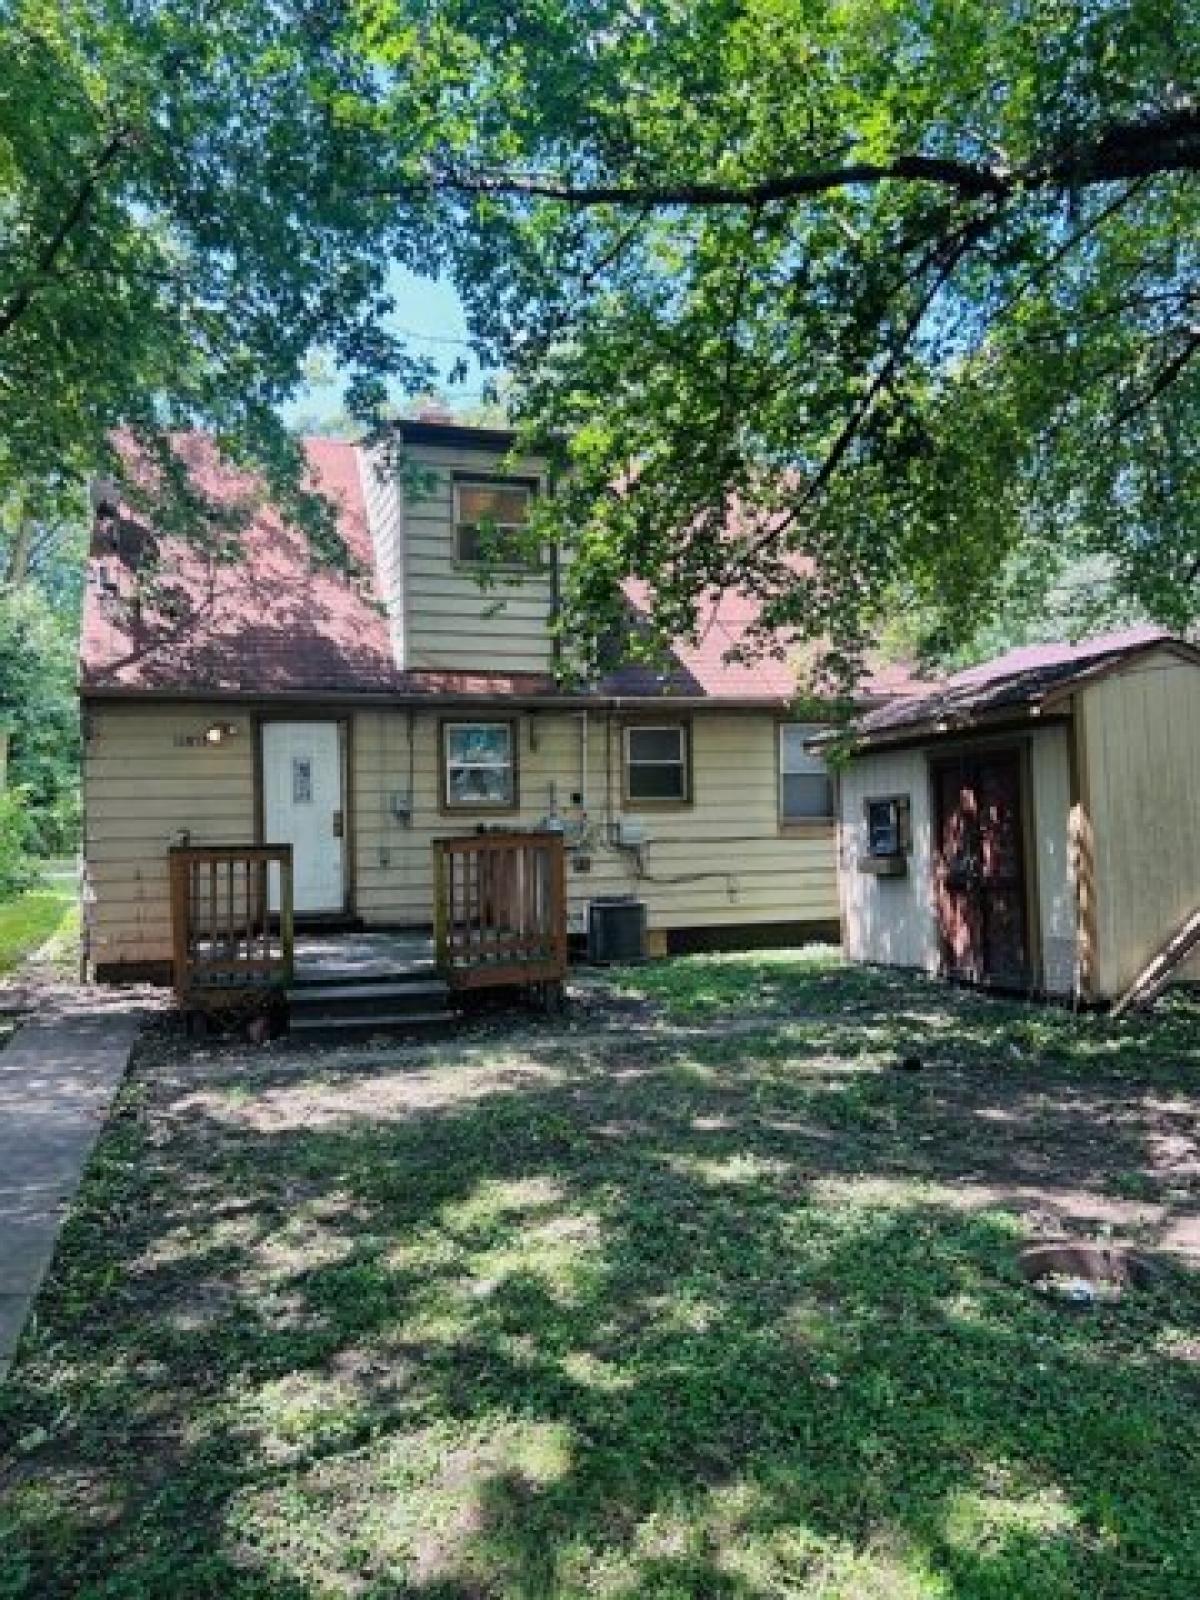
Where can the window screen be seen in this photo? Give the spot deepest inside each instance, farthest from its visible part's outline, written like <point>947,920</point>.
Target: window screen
<point>490,515</point>
<point>805,787</point>
<point>656,763</point>
<point>479,768</point>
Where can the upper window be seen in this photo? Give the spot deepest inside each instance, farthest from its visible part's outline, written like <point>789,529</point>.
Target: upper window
<point>479,765</point>
<point>656,763</point>
<point>805,788</point>
<point>490,517</point>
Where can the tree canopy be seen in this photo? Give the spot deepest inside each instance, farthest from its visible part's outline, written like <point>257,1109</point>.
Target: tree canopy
<point>914,289</point>
<point>867,309</point>
<point>176,242</point>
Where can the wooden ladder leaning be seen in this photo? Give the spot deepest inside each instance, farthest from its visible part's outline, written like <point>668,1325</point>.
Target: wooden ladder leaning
<point>1156,974</point>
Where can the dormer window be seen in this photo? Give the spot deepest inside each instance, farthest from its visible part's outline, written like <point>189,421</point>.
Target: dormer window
<point>490,518</point>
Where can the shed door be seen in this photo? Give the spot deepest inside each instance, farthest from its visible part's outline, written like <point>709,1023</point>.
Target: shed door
<point>304,806</point>
<point>979,867</point>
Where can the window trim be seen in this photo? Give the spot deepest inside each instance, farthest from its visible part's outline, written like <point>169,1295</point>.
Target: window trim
<point>459,808</point>
<point>496,480</point>
<point>802,827</point>
<point>680,725</point>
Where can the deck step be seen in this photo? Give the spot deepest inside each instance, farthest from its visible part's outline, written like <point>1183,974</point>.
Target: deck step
<point>366,1022</point>
<point>321,994</point>
<point>367,1002</point>
<point>332,975</point>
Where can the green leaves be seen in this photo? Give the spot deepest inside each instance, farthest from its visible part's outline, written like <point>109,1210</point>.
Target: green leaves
<point>178,235</point>
<point>853,302</point>
<point>861,307</point>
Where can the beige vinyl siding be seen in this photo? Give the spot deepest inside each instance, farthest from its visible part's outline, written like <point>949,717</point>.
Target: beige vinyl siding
<point>449,620</point>
<point>142,785</point>
<point>1142,749</point>
<point>724,854</point>
<point>724,858</point>
<point>381,496</point>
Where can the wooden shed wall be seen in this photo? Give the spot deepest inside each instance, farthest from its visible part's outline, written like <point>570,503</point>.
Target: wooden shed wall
<point>722,861</point>
<point>889,921</point>
<point>893,921</point>
<point>1141,748</point>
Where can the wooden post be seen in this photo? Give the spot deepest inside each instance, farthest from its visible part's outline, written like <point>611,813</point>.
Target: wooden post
<point>287,918</point>
<point>1082,844</point>
<point>558,903</point>
<point>441,909</point>
<point>181,868</point>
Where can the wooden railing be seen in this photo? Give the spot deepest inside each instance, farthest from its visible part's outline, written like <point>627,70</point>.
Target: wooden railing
<point>226,940</point>
<point>500,906</point>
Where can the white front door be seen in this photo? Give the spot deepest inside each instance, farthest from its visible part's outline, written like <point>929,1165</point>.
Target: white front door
<point>304,806</point>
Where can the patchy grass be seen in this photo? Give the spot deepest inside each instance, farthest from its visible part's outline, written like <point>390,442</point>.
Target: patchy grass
<point>810,980</point>
<point>27,922</point>
<point>729,1316</point>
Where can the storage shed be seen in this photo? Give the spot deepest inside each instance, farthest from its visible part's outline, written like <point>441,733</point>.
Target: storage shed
<point>1033,824</point>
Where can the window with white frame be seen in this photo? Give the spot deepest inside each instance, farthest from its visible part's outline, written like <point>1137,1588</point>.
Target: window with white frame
<point>490,518</point>
<point>656,763</point>
<point>479,765</point>
<point>805,787</point>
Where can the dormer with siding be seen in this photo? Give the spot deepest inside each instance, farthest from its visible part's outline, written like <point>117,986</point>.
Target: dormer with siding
<point>424,503</point>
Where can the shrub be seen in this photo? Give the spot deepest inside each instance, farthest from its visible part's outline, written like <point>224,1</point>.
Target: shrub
<point>17,870</point>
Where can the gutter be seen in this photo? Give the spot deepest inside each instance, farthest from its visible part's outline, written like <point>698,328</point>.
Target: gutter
<point>430,698</point>
<point>937,729</point>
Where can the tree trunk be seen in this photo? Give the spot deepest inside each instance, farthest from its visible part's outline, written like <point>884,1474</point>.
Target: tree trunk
<point>16,572</point>
<point>18,556</point>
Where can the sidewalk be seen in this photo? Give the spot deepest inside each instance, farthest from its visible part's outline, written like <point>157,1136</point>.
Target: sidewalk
<point>58,1078</point>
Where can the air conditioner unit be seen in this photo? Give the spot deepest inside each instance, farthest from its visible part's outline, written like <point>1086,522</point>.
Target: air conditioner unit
<point>616,929</point>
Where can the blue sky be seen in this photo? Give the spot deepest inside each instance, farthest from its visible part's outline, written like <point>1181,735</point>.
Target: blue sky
<point>430,315</point>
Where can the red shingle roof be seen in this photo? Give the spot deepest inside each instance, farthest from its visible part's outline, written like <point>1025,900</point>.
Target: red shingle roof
<point>703,668</point>
<point>273,622</point>
<point>277,622</point>
<point>1015,681</point>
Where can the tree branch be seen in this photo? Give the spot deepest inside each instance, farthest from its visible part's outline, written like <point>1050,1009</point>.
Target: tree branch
<point>945,258</point>
<point>1163,379</point>
<point>19,302</point>
<point>1169,142</point>
<point>961,176</point>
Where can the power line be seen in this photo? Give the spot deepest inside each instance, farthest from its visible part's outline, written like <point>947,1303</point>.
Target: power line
<point>432,338</point>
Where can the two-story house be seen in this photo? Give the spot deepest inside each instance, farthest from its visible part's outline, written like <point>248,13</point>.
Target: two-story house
<point>276,699</point>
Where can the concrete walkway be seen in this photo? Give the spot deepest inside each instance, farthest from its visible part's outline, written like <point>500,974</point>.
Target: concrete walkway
<point>58,1077</point>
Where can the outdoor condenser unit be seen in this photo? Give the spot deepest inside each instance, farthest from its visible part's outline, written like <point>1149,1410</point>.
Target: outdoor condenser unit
<point>616,929</point>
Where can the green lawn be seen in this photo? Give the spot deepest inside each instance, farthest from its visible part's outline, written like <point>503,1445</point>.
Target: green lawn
<point>28,921</point>
<point>678,1312</point>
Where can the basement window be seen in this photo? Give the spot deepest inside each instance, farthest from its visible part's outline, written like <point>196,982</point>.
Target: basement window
<point>657,764</point>
<point>805,787</point>
<point>490,519</point>
<point>479,766</point>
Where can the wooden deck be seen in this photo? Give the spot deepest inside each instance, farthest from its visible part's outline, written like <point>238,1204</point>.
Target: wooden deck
<point>500,902</point>
<point>500,922</point>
